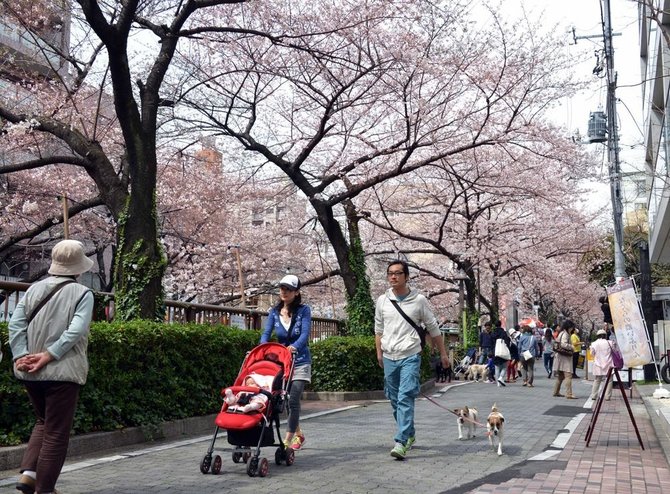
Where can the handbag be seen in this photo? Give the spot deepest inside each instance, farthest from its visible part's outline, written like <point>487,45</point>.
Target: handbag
<point>502,350</point>
<point>419,329</point>
<point>558,348</point>
<point>527,355</point>
<point>617,358</point>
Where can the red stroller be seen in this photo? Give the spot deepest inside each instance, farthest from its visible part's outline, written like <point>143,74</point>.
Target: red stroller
<point>254,429</point>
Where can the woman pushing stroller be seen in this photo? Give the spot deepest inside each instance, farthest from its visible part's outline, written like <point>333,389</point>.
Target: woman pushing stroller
<point>291,321</point>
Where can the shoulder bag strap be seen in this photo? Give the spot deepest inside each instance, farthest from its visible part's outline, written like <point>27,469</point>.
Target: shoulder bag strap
<point>418,328</point>
<point>44,301</point>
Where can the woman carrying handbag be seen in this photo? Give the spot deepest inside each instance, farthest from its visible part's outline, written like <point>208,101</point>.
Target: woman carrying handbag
<point>563,360</point>
<point>601,349</point>
<point>502,355</point>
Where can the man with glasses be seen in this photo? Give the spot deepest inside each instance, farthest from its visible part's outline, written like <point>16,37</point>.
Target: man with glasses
<point>399,315</point>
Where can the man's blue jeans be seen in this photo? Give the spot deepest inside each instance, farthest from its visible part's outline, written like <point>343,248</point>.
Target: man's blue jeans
<point>401,386</point>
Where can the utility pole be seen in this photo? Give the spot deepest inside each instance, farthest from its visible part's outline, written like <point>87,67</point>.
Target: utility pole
<point>66,219</point>
<point>614,165</point>
<point>240,274</point>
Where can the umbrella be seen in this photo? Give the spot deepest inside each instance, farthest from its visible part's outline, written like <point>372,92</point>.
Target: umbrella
<point>532,322</point>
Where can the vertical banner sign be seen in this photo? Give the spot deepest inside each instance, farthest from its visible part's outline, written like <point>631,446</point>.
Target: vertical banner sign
<point>629,328</point>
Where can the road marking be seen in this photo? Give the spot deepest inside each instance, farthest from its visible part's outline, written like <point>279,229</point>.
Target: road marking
<point>563,437</point>
<point>545,455</point>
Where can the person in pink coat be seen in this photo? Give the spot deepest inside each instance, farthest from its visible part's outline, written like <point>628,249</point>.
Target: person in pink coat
<point>601,349</point>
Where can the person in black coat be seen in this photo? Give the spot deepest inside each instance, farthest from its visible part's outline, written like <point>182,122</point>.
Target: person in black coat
<point>501,363</point>
<point>605,308</point>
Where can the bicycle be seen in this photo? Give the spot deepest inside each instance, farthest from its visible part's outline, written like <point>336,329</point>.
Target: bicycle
<point>665,368</point>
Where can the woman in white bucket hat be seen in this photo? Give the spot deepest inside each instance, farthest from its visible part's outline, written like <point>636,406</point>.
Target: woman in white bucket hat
<point>48,335</point>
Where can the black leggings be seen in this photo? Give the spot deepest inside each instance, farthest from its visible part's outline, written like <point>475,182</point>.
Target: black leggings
<point>295,390</point>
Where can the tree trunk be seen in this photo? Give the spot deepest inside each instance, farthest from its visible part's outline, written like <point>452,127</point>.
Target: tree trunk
<point>360,306</point>
<point>338,241</point>
<point>140,260</point>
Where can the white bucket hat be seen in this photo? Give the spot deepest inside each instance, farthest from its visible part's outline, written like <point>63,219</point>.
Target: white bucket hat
<point>68,259</point>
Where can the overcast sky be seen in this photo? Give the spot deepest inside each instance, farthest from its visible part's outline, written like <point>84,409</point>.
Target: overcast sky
<point>573,113</point>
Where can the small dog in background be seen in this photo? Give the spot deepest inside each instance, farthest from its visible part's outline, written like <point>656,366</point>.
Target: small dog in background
<point>494,427</point>
<point>466,418</point>
<point>475,371</point>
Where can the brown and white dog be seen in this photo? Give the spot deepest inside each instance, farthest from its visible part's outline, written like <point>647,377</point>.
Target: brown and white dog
<point>494,427</point>
<point>466,418</point>
<point>475,371</point>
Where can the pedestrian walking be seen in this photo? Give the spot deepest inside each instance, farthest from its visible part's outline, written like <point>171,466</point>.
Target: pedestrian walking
<point>499,360</point>
<point>563,351</point>
<point>291,322</point>
<point>529,350</point>
<point>485,343</point>
<point>398,314</point>
<point>48,336</point>
<point>548,351</point>
<point>601,349</point>
<point>513,362</point>
<point>577,348</point>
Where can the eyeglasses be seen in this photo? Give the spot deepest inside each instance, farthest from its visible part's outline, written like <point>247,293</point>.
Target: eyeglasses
<point>395,273</point>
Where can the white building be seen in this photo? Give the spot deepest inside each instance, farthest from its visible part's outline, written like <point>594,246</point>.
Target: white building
<point>655,65</point>
<point>655,68</point>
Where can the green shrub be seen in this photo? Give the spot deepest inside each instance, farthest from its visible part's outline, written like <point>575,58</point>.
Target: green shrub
<point>141,373</point>
<point>349,363</point>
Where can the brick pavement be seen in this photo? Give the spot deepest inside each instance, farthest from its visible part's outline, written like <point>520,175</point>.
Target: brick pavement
<point>348,452</point>
<point>613,462</point>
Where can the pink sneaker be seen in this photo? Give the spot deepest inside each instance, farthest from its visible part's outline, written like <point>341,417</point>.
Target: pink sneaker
<point>298,441</point>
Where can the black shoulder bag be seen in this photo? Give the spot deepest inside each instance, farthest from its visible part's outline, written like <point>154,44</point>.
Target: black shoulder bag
<point>419,329</point>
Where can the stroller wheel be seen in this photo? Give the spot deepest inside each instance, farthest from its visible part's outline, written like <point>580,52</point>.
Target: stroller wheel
<point>290,456</point>
<point>206,463</point>
<point>237,457</point>
<point>278,456</point>
<point>263,467</point>
<point>216,466</point>
<point>245,457</point>
<point>252,467</point>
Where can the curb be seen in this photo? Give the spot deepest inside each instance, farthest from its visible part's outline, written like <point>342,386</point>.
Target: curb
<point>10,456</point>
<point>659,415</point>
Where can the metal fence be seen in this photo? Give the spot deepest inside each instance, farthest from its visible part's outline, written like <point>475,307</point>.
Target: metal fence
<point>180,312</point>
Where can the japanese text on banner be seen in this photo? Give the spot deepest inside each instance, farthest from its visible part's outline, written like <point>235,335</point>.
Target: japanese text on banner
<point>629,329</point>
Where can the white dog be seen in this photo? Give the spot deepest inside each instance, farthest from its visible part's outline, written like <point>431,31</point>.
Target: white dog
<point>494,427</point>
<point>466,417</point>
<point>476,371</point>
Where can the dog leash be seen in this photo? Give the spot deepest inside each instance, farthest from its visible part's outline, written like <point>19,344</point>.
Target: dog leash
<point>450,411</point>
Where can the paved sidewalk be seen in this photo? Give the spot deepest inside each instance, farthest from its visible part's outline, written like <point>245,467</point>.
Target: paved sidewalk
<point>347,451</point>
<point>614,461</point>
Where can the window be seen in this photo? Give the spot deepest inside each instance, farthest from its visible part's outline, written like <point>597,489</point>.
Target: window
<point>640,187</point>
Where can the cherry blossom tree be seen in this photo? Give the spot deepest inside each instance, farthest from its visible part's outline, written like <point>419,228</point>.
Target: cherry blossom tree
<point>495,219</point>
<point>126,180</point>
<point>341,98</point>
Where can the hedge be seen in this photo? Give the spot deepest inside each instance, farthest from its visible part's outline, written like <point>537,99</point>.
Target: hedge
<point>143,373</point>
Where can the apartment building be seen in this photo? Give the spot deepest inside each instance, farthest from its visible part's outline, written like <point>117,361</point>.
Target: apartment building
<point>655,67</point>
